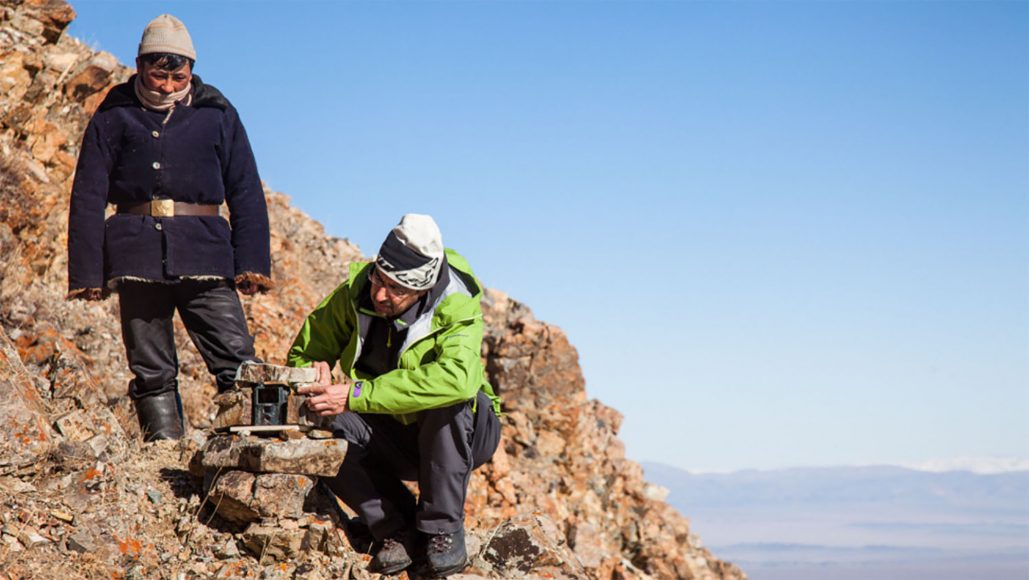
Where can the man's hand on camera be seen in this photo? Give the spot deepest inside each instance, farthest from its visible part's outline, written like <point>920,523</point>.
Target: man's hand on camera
<point>324,397</point>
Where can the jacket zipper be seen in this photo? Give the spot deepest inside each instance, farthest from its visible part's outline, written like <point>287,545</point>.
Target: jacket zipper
<point>400,355</point>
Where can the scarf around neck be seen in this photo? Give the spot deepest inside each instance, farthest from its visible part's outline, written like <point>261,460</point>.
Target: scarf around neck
<point>158,101</point>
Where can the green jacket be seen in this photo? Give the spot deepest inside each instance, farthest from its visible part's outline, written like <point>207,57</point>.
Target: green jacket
<point>440,362</point>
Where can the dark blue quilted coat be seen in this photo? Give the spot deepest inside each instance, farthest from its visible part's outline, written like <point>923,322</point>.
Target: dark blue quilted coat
<point>200,154</point>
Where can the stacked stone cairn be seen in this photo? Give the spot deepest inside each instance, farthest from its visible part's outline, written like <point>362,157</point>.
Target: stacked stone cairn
<point>264,477</point>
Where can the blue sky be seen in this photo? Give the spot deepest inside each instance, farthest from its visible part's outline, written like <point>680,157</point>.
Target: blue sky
<point>779,234</point>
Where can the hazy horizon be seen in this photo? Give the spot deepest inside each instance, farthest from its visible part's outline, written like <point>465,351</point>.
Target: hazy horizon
<point>976,465</point>
<point>846,523</point>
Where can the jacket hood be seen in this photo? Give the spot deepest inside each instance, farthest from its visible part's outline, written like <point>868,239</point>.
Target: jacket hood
<point>204,95</point>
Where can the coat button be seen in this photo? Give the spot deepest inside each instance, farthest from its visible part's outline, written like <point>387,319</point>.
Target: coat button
<point>156,165</point>
<point>157,226</point>
<point>155,134</point>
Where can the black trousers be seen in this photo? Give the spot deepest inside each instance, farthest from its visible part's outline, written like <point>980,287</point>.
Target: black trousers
<point>213,316</point>
<point>439,451</point>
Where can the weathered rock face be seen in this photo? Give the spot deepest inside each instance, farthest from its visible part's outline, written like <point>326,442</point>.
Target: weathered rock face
<point>245,497</point>
<point>301,456</point>
<point>558,500</point>
<point>275,374</point>
<point>26,437</point>
<point>284,513</point>
<point>528,545</point>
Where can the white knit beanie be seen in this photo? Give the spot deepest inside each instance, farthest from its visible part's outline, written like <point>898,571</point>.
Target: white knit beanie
<point>413,252</point>
<point>167,34</point>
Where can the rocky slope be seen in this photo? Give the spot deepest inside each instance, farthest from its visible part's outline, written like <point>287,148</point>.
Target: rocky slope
<point>80,497</point>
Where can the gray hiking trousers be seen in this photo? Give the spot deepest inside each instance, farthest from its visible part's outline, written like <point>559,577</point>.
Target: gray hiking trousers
<point>439,451</point>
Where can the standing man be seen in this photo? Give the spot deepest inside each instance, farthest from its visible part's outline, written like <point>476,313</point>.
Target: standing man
<point>413,402</point>
<point>167,150</point>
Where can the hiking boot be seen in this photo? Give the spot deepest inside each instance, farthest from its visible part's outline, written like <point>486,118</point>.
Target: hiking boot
<point>446,554</point>
<point>394,554</point>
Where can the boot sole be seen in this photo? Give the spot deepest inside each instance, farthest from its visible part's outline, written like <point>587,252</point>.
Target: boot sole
<point>441,573</point>
<point>394,569</point>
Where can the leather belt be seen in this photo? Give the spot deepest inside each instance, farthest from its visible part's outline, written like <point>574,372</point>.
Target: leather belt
<point>169,208</point>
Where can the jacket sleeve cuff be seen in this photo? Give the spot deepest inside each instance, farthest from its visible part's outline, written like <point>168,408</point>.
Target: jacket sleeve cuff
<point>263,283</point>
<point>357,401</point>
<point>88,294</point>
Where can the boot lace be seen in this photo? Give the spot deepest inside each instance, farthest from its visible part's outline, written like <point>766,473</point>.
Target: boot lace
<point>441,543</point>
<point>392,543</point>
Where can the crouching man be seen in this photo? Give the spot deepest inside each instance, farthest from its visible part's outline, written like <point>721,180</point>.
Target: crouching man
<point>413,402</point>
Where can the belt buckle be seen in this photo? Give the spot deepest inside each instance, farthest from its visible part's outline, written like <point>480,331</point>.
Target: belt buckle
<point>162,208</point>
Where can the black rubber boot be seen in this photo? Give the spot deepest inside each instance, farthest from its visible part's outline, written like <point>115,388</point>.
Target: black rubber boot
<point>160,417</point>
<point>446,554</point>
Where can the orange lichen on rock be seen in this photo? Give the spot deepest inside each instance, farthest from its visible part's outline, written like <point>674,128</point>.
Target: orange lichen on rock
<point>130,546</point>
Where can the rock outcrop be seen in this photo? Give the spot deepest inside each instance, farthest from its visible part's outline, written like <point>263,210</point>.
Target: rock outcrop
<point>82,498</point>
<point>27,437</point>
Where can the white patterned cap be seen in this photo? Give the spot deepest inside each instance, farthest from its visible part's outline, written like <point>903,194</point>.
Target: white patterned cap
<point>412,253</point>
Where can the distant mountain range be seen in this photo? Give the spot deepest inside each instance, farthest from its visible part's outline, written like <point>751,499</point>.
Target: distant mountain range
<point>981,465</point>
<point>859,522</point>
